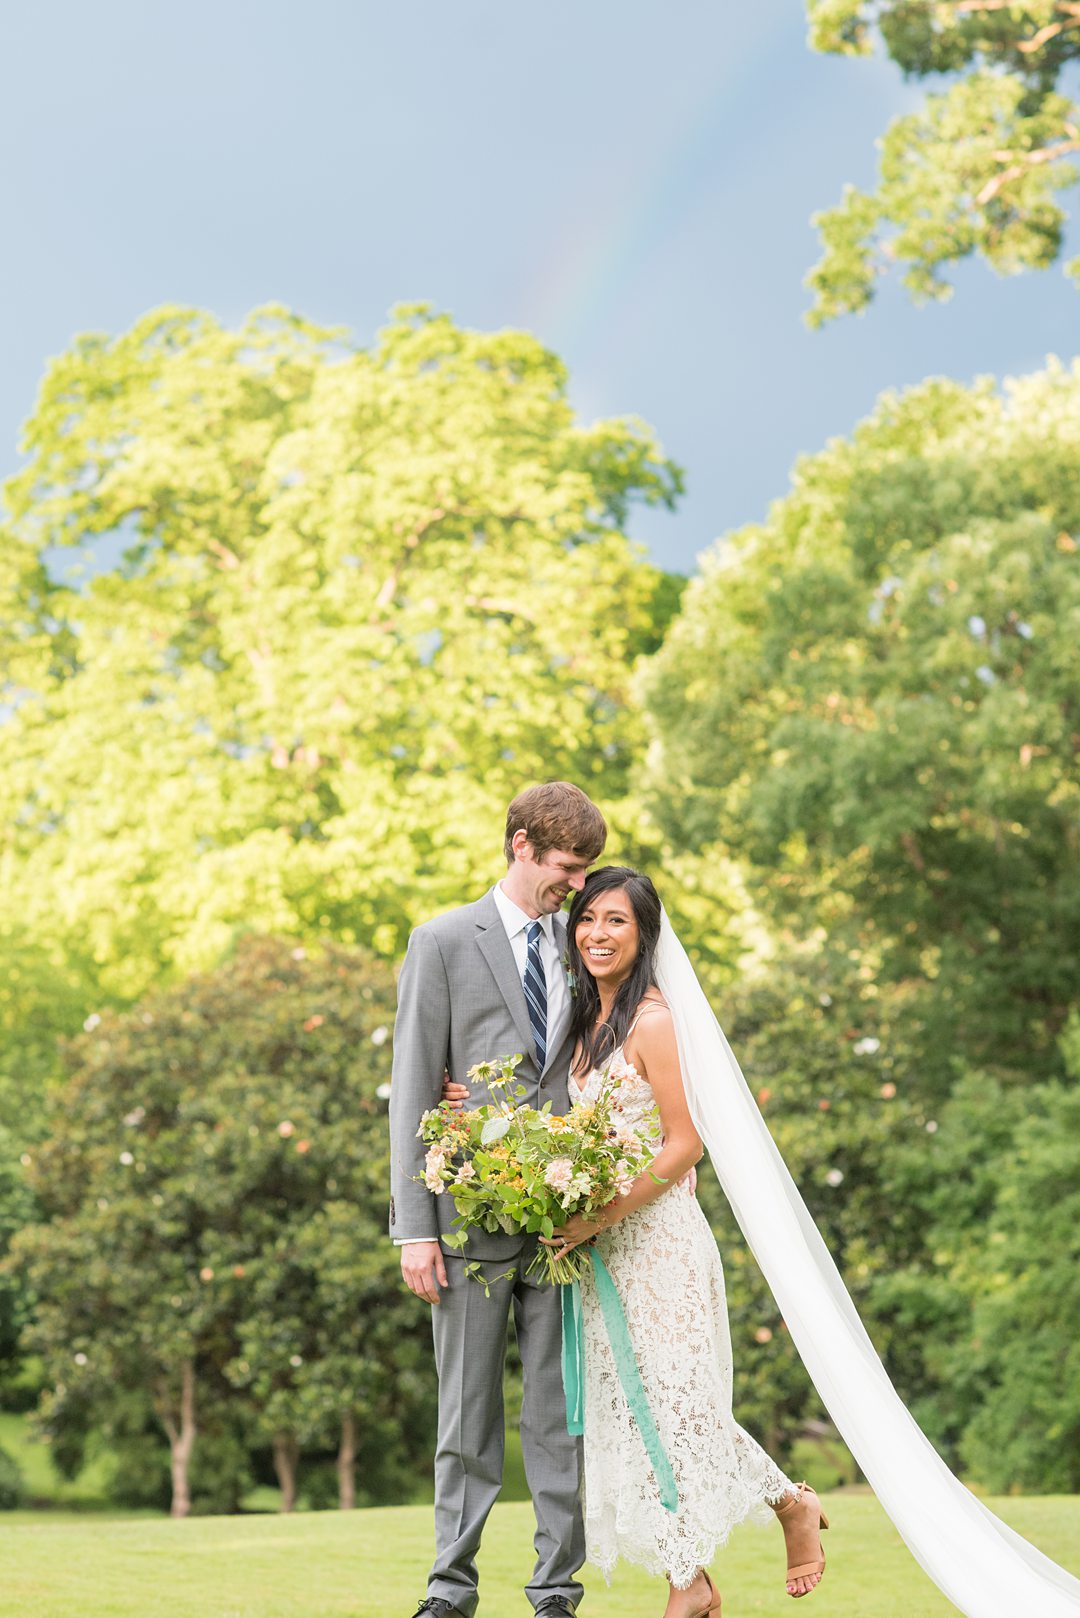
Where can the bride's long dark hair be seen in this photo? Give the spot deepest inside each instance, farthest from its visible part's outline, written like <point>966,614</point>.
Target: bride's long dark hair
<point>598,1042</point>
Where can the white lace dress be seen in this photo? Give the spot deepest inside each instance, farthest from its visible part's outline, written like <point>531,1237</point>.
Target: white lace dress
<point>666,1266</point>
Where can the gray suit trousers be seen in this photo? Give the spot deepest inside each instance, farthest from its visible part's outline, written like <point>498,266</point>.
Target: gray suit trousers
<point>470,1345</point>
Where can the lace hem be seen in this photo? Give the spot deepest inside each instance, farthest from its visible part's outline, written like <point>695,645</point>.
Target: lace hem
<point>666,1267</point>
<point>679,1564</point>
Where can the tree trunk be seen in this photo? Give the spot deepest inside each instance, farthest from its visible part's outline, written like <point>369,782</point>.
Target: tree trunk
<point>286,1458</point>
<point>181,1432</point>
<point>346,1463</point>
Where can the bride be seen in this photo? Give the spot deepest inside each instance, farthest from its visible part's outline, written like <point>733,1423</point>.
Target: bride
<point>642,1022</point>
<point>661,1255</point>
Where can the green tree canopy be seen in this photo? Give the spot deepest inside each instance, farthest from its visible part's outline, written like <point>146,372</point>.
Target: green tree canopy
<point>1024,1350</point>
<point>212,1237</point>
<point>871,699</point>
<point>828,1060</point>
<point>869,702</point>
<point>359,596</point>
<point>977,168</point>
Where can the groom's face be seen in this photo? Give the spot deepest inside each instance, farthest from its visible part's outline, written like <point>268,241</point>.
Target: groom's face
<point>547,882</point>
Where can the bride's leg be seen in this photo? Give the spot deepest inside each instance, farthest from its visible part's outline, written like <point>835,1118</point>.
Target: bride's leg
<point>799,1512</point>
<point>698,1600</point>
<point>801,1518</point>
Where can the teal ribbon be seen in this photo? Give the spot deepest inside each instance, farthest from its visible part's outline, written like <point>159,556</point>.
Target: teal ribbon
<point>626,1365</point>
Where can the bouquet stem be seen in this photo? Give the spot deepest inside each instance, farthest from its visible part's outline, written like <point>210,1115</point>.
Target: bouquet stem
<point>560,1272</point>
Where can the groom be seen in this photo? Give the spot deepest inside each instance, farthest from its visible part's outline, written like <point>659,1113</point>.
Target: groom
<point>483,981</point>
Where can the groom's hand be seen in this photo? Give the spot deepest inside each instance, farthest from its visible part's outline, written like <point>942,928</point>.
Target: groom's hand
<point>423,1268</point>
<point>456,1094</point>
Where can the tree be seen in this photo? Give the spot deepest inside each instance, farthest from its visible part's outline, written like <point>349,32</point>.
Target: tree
<point>986,1313</point>
<point>942,1189</point>
<point>331,1356</point>
<point>869,701</point>
<point>1025,1430</point>
<point>16,1210</point>
<point>358,596</point>
<point>213,1187</point>
<point>45,994</point>
<point>829,1059</point>
<point>976,169</point>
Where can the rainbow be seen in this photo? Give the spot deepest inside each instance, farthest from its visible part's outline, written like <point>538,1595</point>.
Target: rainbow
<point>615,231</point>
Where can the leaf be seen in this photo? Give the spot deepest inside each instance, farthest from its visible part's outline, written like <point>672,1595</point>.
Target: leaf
<point>494,1130</point>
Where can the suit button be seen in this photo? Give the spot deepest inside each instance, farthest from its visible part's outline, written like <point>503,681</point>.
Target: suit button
<point>543,1084</point>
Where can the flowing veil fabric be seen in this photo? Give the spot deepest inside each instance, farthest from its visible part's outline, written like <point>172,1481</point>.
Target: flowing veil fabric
<point>985,1568</point>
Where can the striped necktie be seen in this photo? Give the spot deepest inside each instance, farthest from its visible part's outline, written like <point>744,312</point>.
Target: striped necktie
<point>536,994</point>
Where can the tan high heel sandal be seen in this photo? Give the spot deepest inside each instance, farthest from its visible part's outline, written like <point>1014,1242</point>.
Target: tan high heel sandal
<point>714,1597</point>
<point>801,1517</point>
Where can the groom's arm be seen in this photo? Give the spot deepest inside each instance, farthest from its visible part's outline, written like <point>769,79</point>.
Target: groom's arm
<point>421,1045</point>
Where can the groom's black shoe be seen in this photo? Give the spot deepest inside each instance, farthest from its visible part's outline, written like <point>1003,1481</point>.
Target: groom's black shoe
<point>436,1607</point>
<point>556,1607</point>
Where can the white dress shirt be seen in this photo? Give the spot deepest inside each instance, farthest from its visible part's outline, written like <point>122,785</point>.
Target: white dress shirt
<point>517,925</point>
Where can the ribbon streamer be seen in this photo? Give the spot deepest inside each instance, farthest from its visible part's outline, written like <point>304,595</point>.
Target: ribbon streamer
<point>573,1365</point>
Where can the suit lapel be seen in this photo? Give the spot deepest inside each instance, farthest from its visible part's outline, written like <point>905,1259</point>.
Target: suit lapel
<point>495,948</point>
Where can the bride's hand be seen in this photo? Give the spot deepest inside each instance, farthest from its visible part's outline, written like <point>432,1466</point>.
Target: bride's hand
<point>576,1230</point>
<point>456,1094</point>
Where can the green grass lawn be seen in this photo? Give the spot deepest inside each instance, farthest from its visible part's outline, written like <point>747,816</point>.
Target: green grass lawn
<point>372,1564</point>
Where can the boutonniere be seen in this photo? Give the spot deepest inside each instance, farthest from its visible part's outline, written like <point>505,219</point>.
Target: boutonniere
<point>571,979</point>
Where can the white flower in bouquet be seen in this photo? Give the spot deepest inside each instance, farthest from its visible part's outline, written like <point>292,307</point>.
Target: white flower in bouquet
<point>559,1174</point>
<point>434,1164</point>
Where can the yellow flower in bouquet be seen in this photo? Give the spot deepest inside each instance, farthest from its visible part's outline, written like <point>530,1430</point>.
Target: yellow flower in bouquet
<point>513,1168</point>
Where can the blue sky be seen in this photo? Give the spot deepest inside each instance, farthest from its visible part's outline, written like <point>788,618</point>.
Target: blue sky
<point>631,181</point>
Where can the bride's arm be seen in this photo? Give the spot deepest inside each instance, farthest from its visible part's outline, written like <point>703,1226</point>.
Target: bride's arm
<point>656,1057</point>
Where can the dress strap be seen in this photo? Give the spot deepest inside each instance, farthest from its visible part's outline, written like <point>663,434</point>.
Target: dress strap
<point>645,1006</point>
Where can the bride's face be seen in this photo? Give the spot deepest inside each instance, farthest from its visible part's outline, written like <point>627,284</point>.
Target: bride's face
<point>607,937</point>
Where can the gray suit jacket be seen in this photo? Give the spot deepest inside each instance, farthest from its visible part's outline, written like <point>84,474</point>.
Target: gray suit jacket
<point>460,1001</point>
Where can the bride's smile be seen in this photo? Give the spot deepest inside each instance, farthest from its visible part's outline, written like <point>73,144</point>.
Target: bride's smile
<point>607,938</point>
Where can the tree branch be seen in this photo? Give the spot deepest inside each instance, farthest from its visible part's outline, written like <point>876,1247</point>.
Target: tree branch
<point>1070,19</point>
<point>1052,30</point>
<point>261,659</point>
<point>1029,160</point>
<point>229,559</point>
<point>388,588</point>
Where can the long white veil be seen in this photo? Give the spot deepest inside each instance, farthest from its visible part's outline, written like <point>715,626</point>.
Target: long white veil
<point>971,1555</point>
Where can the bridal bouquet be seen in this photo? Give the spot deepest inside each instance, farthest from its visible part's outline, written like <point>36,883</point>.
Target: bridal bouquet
<point>512,1168</point>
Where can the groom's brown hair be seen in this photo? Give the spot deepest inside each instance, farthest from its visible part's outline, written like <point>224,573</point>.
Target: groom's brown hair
<point>556,815</point>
